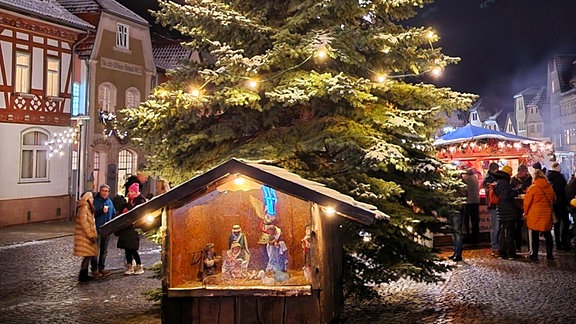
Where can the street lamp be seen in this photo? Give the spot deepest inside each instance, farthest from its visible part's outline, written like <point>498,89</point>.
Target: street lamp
<point>81,154</point>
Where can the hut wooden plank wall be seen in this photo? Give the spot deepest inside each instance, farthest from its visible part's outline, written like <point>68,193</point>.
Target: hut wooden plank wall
<point>204,209</point>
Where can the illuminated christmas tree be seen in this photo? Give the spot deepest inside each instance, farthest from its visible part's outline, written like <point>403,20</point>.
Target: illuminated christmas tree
<point>330,90</point>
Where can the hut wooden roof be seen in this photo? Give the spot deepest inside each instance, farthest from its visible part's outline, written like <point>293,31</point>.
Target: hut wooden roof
<point>274,177</point>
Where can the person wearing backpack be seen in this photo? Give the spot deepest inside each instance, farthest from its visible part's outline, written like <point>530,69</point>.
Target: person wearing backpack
<point>488,182</point>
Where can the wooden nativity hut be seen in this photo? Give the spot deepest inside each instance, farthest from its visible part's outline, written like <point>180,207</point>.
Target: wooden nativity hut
<point>250,243</point>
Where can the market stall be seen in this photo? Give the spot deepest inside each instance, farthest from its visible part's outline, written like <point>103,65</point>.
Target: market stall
<point>477,147</point>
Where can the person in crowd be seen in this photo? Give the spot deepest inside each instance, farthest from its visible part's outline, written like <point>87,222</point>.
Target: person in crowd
<point>571,194</point>
<point>140,178</point>
<point>128,238</point>
<point>490,180</point>
<point>508,212</point>
<point>562,222</point>
<point>105,211</point>
<point>472,207</point>
<point>455,222</point>
<point>162,186</point>
<point>85,234</point>
<point>521,181</point>
<point>538,206</point>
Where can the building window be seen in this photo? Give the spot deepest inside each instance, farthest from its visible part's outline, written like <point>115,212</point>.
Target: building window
<point>22,83</point>
<point>96,164</point>
<point>33,160</point>
<point>75,99</point>
<point>74,160</point>
<point>132,99</point>
<point>53,77</point>
<point>126,167</point>
<point>122,35</point>
<point>474,116</point>
<point>107,97</point>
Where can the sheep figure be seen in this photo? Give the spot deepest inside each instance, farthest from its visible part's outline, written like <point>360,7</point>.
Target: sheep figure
<point>266,280</point>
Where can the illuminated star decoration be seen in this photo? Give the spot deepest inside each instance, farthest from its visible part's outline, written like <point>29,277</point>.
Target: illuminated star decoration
<point>56,145</point>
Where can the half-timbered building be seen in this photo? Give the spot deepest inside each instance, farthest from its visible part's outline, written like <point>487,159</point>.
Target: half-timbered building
<point>37,41</point>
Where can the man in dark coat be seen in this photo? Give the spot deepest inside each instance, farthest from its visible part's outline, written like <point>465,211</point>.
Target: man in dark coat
<point>521,181</point>
<point>105,211</point>
<point>508,212</point>
<point>562,222</point>
<point>494,225</point>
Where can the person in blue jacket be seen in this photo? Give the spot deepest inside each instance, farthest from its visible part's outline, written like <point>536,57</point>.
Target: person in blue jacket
<point>104,212</point>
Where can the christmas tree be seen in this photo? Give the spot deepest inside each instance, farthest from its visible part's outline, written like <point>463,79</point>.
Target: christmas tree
<point>330,90</point>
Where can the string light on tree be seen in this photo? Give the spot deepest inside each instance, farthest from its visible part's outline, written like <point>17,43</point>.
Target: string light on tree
<point>195,92</point>
<point>380,78</point>
<point>252,84</point>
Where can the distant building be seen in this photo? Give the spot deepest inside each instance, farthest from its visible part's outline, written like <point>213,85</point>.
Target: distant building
<point>530,109</point>
<point>562,94</point>
<point>477,115</point>
<point>121,72</point>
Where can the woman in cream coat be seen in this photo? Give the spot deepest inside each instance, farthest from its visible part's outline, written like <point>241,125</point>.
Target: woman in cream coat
<point>85,234</point>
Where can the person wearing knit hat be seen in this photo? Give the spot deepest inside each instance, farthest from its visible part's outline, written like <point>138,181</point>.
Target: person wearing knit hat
<point>140,178</point>
<point>128,238</point>
<point>507,169</point>
<point>85,234</point>
<point>537,166</point>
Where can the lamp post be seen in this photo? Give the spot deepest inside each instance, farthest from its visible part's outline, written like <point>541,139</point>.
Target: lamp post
<point>81,154</point>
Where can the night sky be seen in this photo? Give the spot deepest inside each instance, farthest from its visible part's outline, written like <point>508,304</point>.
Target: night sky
<point>504,44</point>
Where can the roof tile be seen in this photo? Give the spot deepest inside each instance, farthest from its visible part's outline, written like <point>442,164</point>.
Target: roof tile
<point>48,9</point>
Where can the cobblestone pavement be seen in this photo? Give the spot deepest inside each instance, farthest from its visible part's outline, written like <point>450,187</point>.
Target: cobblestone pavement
<point>481,289</point>
<point>38,284</point>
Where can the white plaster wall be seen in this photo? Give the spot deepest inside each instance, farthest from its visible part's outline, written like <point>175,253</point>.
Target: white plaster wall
<point>58,168</point>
